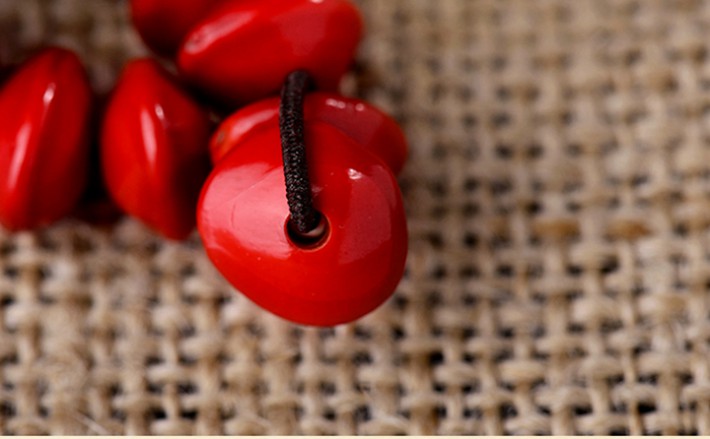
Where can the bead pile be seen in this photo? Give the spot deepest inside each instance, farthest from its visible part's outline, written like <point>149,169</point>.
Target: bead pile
<point>206,147</point>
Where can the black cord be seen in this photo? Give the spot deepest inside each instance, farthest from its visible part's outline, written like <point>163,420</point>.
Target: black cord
<point>305,219</point>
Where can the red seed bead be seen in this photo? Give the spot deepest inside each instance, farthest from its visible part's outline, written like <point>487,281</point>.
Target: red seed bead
<point>96,206</point>
<point>368,126</point>
<point>243,216</point>
<point>44,114</point>
<point>154,149</point>
<point>244,49</point>
<point>163,24</point>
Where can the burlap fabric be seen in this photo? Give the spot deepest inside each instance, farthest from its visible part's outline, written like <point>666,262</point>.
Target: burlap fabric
<point>558,197</point>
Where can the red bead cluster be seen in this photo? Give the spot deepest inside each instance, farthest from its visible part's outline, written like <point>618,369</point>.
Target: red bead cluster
<point>157,148</point>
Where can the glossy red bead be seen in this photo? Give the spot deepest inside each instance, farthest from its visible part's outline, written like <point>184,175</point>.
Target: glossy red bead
<point>154,149</point>
<point>243,215</point>
<point>368,126</point>
<point>44,109</point>
<point>244,49</point>
<point>163,24</point>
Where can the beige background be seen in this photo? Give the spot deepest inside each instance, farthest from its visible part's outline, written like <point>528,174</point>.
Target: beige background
<point>558,201</point>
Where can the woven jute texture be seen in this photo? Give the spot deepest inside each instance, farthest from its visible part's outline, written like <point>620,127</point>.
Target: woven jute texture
<point>558,197</point>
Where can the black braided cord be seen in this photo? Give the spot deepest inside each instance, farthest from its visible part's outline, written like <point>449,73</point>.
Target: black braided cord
<point>304,217</point>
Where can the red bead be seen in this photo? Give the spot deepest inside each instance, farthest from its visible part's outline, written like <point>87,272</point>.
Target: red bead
<point>99,212</point>
<point>243,215</point>
<point>163,24</point>
<point>96,206</point>
<point>368,126</point>
<point>44,109</point>
<point>154,149</point>
<point>244,49</point>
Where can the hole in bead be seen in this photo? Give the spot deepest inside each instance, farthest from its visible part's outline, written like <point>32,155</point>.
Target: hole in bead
<point>310,240</point>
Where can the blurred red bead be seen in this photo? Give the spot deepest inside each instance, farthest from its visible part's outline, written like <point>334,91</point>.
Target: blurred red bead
<point>96,206</point>
<point>163,24</point>
<point>368,126</point>
<point>154,149</point>
<point>244,49</point>
<point>98,212</point>
<point>45,111</point>
<point>243,216</point>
